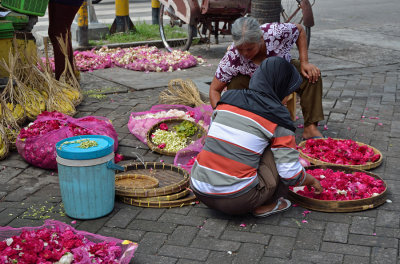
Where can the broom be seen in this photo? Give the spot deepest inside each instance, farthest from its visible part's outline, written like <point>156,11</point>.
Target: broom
<point>182,92</point>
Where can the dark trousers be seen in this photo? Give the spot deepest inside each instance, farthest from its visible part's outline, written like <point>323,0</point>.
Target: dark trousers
<point>310,95</point>
<point>269,189</point>
<point>60,21</point>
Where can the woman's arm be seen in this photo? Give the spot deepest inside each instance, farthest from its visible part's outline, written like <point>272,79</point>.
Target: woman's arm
<point>216,88</point>
<point>308,70</point>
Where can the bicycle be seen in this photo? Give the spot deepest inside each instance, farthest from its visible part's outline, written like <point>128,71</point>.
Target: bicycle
<point>191,21</point>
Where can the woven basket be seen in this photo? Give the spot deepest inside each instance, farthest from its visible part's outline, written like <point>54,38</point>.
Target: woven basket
<point>170,197</point>
<point>135,181</point>
<point>339,206</point>
<point>171,123</point>
<point>367,166</point>
<point>4,144</point>
<point>171,179</point>
<point>190,199</point>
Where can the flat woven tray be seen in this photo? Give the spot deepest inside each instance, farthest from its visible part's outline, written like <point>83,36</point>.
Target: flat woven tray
<point>171,123</point>
<point>339,206</point>
<point>170,197</point>
<point>190,199</point>
<point>135,181</point>
<point>171,179</point>
<point>367,166</point>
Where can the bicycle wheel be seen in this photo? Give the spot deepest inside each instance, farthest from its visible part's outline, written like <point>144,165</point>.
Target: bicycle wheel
<point>291,13</point>
<point>175,34</point>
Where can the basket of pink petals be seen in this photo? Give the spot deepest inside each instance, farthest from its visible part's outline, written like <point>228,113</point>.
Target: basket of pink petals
<point>340,152</point>
<point>344,190</point>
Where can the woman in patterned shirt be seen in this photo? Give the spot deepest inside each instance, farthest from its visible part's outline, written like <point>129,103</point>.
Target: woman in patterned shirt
<point>249,156</point>
<point>252,44</point>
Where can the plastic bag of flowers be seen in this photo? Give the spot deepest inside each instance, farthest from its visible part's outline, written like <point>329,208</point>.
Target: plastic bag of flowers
<point>36,142</point>
<point>57,242</point>
<point>140,122</point>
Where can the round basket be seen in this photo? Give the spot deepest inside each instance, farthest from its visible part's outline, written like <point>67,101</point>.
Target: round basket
<point>339,206</point>
<point>135,181</point>
<point>170,197</point>
<point>171,179</point>
<point>171,123</point>
<point>367,166</point>
<point>190,199</point>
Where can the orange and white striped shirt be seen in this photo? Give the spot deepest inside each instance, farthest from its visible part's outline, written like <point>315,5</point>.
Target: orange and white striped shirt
<point>236,140</point>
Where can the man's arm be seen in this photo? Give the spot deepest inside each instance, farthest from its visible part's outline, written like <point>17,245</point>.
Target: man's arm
<point>308,70</point>
<point>216,88</point>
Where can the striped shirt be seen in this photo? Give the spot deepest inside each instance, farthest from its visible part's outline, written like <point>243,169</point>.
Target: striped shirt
<point>236,140</point>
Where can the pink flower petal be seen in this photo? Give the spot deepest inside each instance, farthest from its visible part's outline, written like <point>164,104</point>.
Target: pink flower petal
<point>243,225</point>
<point>304,221</point>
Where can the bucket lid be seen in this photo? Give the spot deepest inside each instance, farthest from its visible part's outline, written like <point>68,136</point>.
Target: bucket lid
<point>85,147</point>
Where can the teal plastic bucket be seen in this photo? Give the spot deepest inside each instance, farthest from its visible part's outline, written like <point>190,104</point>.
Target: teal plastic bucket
<point>87,176</point>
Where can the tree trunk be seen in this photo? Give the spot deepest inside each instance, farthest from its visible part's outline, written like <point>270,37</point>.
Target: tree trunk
<point>266,11</point>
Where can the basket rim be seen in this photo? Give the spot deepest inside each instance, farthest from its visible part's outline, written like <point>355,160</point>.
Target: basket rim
<point>125,175</point>
<point>366,166</point>
<point>155,148</point>
<point>151,192</point>
<point>191,198</point>
<point>381,198</point>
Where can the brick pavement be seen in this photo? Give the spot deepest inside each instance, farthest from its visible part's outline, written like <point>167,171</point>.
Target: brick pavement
<point>196,234</point>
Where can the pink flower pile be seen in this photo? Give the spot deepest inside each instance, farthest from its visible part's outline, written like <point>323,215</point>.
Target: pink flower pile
<point>142,58</point>
<point>341,151</point>
<point>50,245</point>
<point>341,186</point>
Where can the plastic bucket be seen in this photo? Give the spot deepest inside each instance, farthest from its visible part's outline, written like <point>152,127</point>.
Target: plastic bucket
<point>87,176</point>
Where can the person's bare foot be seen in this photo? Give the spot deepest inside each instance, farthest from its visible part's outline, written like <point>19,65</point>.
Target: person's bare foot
<point>265,208</point>
<point>311,131</point>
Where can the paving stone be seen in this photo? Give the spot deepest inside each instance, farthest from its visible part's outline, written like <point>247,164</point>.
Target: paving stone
<point>248,237</point>
<point>311,224</point>
<point>349,259</point>
<point>346,249</point>
<point>153,226</point>
<point>215,244</point>
<point>152,259</point>
<point>336,232</point>
<point>388,219</point>
<point>151,243</point>
<point>280,246</point>
<point>373,241</point>
<point>93,226</point>
<point>182,219</point>
<point>384,255</point>
<point>275,230</point>
<point>308,239</point>
<point>213,228</point>
<point>187,261</point>
<point>151,214</point>
<point>124,234</point>
<point>336,117</point>
<point>184,252</point>
<point>123,217</point>
<point>218,257</point>
<point>7,215</point>
<point>362,225</point>
<point>182,236</point>
<point>249,253</point>
<point>388,232</point>
<point>310,256</point>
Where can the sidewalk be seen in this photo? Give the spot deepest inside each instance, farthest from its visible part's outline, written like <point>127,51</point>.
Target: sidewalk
<point>196,234</point>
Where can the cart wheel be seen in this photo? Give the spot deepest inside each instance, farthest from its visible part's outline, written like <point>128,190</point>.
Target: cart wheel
<point>175,34</point>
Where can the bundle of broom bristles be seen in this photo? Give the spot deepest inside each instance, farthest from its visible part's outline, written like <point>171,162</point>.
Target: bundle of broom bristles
<point>184,92</point>
<point>32,89</point>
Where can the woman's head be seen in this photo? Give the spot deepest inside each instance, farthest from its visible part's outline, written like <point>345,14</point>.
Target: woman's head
<point>247,36</point>
<point>276,76</point>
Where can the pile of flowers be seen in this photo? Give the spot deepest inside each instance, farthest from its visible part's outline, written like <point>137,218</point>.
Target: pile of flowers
<point>176,139</point>
<point>142,58</point>
<point>36,142</point>
<point>339,151</point>
<point>341,186</point>
<point>52,245</point>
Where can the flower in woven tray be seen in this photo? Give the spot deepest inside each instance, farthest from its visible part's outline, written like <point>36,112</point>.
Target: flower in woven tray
<point>341,151</point>
<point>163,126</point>
<point>341,186</point>
<point>172,140</point>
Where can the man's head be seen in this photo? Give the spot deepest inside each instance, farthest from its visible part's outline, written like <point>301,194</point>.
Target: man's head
<point>247,36</point>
